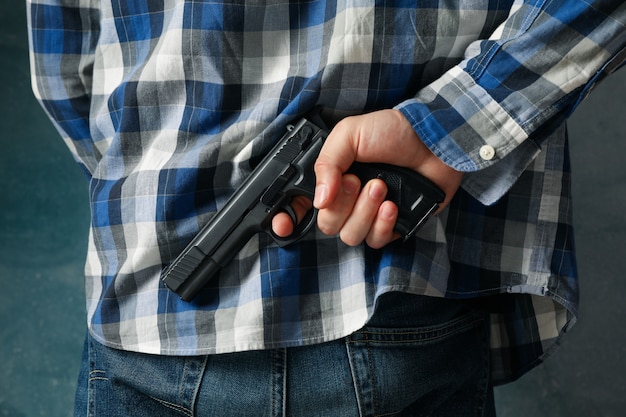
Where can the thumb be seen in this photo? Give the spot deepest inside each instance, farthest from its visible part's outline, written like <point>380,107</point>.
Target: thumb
<point>336,156</point>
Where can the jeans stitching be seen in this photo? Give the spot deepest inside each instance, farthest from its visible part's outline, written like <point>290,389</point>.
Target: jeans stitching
<point>273,370</point>
<point>486,383</point>
<point>92,358</point>
<point>95,375</point>
<point>193,397</point>
<point>183,387</point>
<point>421,335</point>
<point>371,377</point>
<point>198,384</point>
<point>355,377</point>
<point>172,406</point>
<point>279,380</point>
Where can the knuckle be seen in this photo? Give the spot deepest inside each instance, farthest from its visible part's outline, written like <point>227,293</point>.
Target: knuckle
<point>326,230</point>
<point>375,239</point>
<point>374,243</point>
<point>326,227</point>
<point>350,238</point>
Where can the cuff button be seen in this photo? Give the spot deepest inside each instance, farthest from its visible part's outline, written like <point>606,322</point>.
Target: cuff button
<point>487,152</point>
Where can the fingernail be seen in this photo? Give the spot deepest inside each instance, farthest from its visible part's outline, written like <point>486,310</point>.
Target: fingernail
<point>321,195</point>
<point>377,192</point>
<point>350,186</point>
<point>387,212</point>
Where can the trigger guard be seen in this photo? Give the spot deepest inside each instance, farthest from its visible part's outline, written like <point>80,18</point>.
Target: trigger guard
<point>300,229</point>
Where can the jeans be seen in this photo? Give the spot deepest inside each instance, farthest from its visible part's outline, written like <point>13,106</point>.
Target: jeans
<point>417,356</point>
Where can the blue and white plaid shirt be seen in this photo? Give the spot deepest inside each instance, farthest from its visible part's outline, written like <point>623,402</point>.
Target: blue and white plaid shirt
<point>168,105</point>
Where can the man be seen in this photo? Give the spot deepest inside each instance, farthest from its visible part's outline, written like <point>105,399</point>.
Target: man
<point>169,105</point>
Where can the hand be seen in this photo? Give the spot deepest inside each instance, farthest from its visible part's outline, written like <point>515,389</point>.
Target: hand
<point>357,214</point>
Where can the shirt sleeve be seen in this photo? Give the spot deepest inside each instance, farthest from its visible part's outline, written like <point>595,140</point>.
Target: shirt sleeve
<point>488,115</point>
<point>62,40</point>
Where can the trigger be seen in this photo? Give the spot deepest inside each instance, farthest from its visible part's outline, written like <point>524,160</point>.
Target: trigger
<point>299,230</point>
<point>292,214</point>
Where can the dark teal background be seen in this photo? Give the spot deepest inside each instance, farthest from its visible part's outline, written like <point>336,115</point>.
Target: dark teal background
<point>43,235</point>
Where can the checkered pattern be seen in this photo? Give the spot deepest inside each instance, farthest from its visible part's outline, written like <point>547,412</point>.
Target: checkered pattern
<point>168,105</point>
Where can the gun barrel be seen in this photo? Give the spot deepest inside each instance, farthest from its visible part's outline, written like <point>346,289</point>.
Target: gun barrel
<point>197,278</point>
<point>246,213</point>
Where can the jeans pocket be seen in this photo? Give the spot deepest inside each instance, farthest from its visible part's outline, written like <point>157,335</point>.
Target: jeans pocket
<point>433,370</point>
<point>122,383</point>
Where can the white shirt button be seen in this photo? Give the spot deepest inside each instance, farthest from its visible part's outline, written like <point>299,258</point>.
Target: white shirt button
<point>487,152</point>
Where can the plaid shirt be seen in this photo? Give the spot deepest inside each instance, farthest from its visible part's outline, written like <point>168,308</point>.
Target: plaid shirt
<point>168,105</point>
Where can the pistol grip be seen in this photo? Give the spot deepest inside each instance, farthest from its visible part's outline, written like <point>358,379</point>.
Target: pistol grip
<point>416,196</point>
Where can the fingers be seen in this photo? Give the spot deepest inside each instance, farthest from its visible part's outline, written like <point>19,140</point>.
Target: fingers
<point>334,159</point>
<point>358,217</point>
<point>355,215</point>
<point>282,224</point>
<point>381,233</point>
<point>331,219</point>
<point>358,222</point>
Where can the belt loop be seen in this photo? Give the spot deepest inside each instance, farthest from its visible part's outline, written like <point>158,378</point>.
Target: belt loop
<point>279,383</point>
<point>361,378</point>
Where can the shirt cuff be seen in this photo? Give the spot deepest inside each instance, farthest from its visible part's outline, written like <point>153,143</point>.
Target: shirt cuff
<point>470,131</point>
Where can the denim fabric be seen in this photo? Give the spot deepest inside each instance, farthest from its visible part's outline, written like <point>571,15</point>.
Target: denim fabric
<point>418,356</point>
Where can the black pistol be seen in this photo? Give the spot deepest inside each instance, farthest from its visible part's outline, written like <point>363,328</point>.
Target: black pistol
<point>286,172</point>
